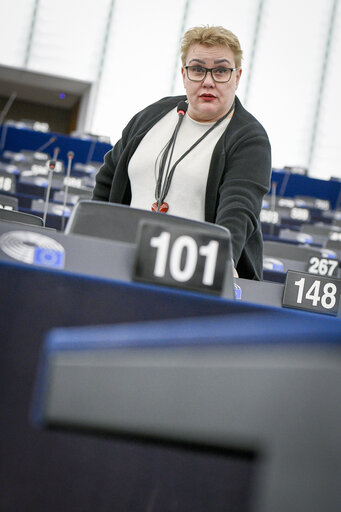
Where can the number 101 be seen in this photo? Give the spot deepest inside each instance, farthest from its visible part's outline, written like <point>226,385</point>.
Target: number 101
<point>185,271</point>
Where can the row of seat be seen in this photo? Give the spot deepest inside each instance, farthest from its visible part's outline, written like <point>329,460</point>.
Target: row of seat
<point>295,229</point>
<point>26,176</point>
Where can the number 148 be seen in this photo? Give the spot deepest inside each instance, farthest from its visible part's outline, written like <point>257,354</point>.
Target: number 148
<point>328,298</point>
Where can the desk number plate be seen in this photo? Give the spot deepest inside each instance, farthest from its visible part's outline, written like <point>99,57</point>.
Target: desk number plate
<point>186,258</point>
<point>323,266</point>
<point>312,293</point>
<point>7,182</point>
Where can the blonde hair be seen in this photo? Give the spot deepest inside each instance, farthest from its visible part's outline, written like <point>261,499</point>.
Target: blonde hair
<point>211,36</point>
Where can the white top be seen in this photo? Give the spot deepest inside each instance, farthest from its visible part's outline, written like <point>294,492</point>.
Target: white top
<point>186,196</point>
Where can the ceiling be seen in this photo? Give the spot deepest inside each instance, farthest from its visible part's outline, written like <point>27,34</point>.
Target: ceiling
<point>40,88</point>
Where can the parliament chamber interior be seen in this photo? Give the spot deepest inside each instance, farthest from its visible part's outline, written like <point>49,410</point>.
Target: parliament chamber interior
<point>184,386</point>
<point>138,379</point>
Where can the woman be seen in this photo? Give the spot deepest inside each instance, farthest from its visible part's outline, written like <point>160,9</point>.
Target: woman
<point>211,164</point>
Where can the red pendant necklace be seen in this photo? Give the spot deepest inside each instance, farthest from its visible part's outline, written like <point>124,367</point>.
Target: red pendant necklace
<point>163,207</point>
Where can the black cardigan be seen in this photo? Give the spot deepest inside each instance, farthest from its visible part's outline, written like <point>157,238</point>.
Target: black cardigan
<point>239,176</point>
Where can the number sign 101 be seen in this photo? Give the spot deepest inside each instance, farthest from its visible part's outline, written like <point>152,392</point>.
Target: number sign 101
<point>183,256</point>
<point>181,244</point>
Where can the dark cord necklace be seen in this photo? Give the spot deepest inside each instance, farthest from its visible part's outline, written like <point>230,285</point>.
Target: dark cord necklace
<point>162,189</point>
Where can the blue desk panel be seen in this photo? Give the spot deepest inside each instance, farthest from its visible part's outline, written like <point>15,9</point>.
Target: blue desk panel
<point>51,471</point>
<point>56,471</point>
<point>45,470</point>
<point>297,185</point>
<point>18,139</point>
<point>259,381</point>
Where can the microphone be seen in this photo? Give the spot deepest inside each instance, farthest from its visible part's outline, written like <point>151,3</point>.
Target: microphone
<point>70,156</point>
<point>52,165</point>
<point>55,153</point>
<point>46,144</point>
<point>182,108</point>
<point>91,150</point>
<point>273,204</point>
<point>7,106</point>
<point>3,114</point>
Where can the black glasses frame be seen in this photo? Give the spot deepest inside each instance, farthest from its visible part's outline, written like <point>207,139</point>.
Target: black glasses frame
<point>209,70</point>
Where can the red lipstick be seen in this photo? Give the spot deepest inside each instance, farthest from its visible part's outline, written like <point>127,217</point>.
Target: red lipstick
<point>207,97</point>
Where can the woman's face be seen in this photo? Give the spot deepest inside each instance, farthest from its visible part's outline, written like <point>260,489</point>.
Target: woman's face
<point>209,100</point>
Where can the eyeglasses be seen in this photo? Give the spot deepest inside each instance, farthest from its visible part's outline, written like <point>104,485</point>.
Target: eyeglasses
<point>198,73</point>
